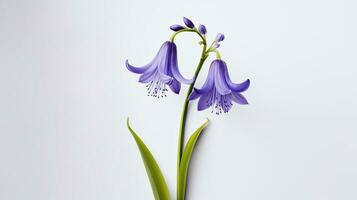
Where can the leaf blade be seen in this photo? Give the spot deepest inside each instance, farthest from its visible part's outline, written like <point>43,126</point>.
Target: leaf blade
<point>185,160</point>
<point>157,181</point>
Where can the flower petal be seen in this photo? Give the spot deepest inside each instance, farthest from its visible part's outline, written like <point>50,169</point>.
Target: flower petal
<point>204,103</point>
<point>226,102</point>
<point>152,64</point>
<point>137,70</point>
<point>239,87</point>
<point>148,76</point>
<point>236,87</point>
<point>209,83</point>
<point>165,78</point>
<point>239,98</point>
<point>219,80</point>
<point>173,67</point>
<point>175,86</point>
<point>202,91</point>
<point>194,95</point>
<point>164,58</point>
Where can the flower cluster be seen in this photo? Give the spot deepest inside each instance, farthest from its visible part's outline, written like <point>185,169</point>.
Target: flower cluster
<point>218,91</point>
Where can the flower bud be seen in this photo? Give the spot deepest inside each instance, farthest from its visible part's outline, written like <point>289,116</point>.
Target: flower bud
<point>188,22</point>
<point>202,29</point>
<point>219,37</point>
<point>176,27</point>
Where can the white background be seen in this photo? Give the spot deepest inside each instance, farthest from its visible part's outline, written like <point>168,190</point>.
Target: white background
<point>65,93</point>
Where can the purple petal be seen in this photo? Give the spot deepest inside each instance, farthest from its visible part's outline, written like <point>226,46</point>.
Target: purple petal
<point>176,27</point>
<point>165,79</point>
<point>137,70</point>
<point>175,86</point>
<point>152,64</point>
<point>204,102</point>
<point>164,58</point>
<point>209,83</point>
<point>194,95</point>
<point>157,65</point>
<point>226,102</point>
<point>174,67</point>
<point>202,29</point>
<point>188,22</point>
<point>240,87</point>
<point>155,76</point>
<point>148,76</point>
<point>238,98</point>
<point>219,79</point>
<point>219,37</point>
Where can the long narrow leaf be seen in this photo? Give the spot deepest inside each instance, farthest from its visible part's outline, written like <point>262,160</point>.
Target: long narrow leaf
<point>185,161</point>
<point>158,184</point>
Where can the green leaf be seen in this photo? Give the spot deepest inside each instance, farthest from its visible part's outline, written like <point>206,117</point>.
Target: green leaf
<point>157,181</point>
<point>185,161</point>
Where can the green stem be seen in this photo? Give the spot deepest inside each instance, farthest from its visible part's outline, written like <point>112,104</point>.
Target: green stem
<point>184,113</point>
<point>181,138</point>
<point>188,30</point>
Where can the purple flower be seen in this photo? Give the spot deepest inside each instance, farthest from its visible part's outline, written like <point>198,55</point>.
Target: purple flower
<point>161,71</point>
<point>176,27</point>
<point>188,22</point>
<point>202,29</point>
<point>219,91</point>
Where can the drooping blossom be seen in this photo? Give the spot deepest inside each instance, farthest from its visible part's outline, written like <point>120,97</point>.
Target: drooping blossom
<point>162,71</point>
<point>218,91</point>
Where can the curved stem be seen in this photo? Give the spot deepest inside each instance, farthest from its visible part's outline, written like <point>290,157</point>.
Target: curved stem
<point>218,55</point>
<point>184,112</point>
<point>181,137</point>
<point>172,38</point>
<point>214,49</point>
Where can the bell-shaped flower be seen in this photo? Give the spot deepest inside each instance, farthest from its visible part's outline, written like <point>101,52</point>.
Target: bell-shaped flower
<point>161,71</point>
<point>218,91</point>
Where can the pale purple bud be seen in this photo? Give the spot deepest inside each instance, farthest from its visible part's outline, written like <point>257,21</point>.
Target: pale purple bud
<point>202,29</point>
<point>216,45</point>
<point>176,27</point>
<point>219,37</point>
<point>188,22</point>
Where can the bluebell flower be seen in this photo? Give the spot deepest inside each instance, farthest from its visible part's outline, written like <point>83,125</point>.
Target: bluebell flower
<point>161,71</point>
<point>218,91</point>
